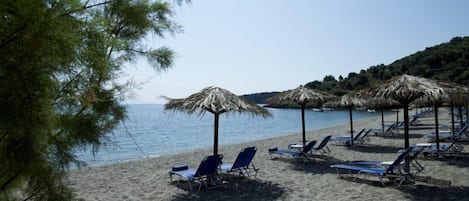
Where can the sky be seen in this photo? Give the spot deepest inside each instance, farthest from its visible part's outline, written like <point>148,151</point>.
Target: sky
<point>251,46</point>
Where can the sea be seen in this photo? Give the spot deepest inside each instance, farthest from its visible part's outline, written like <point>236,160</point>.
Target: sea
<point>150,131</point>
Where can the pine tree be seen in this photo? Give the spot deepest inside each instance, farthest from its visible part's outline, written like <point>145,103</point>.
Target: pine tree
<point>60,61</point>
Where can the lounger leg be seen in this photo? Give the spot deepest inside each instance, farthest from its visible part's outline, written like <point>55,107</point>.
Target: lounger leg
<point>171,178</point>
<point>255,170</point>
<point>381,180</point>
<point>190,186</point>
<point>338,172</point>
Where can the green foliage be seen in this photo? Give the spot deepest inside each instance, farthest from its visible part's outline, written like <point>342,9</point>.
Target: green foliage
<point>447,62</point>
<point>260,98</point>
<point>59,65</point>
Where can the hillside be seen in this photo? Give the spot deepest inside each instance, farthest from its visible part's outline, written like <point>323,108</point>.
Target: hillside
<point>447,61</point>
<point>260,98</point>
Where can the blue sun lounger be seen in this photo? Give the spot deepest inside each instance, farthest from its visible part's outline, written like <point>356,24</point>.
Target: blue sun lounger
<point>204,175</point>
<point>448,135</point>
<point>412,156</point>
<point>392,172</point>
<point>303,155</point>
<point>243,163</point>
<point>322,147</point>
<point>360,138</point>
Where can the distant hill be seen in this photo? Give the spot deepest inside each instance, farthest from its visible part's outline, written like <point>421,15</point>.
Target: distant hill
<point>447,61</point>
<point>260,98</point>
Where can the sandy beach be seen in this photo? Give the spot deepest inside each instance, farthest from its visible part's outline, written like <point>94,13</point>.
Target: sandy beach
<point>284,178</point>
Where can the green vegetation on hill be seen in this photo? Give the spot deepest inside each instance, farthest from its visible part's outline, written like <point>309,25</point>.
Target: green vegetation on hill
<point>260,98</point>
<point>447,61</point>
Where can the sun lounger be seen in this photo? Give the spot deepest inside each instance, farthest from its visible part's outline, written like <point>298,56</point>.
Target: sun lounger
<point>305,153</point>
<point>243,163</point>
<point>414,121</point>
<point>387,131</point>
<point>447,149</point>
<point>204,175</point>
<point>392,172</point>
<point>360,138</point>
<point>412,156</point>
<point>448,135</point>
<point>322,147</point>
<point>453,148</point>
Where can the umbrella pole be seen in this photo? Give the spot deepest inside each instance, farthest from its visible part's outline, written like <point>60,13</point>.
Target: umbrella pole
<point>467,116</point>
<point>437,134</point>
<point>303,124</point>
<point>460,117</point>
<point>453,129</point>
<point>351,123</point>
<point>215,136</point>
<point>406,134</point>
<point>382,121</point>
<point>397,117</point>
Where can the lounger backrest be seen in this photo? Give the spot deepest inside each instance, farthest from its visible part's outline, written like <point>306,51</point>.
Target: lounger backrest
<point>399,159</point>
<point>366,133</point>
<point>462,131</point>
<point>209,165</point>
<point>324,142</point>
<point>359,134</point>
<point>416,153</point>
<point>245,157</point>
<point>308,147</point>
<point>414,118</point>
<point>391,127</point>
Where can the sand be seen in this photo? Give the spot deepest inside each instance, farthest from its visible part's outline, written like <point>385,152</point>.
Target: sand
<point>285,178</point>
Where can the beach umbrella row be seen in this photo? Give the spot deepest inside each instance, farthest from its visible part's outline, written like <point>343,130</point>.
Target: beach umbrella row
<point>400,90</point>
<point>406,89</point>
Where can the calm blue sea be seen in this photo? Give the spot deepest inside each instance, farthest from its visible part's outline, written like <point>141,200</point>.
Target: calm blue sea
<point>151,131</point>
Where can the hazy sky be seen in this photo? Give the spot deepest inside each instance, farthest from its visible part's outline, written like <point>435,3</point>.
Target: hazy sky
<point>249,46</point>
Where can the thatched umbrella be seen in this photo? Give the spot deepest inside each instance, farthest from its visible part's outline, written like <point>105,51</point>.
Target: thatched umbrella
<point>454,94</point>
<point>216,101</point>
<point>381,104</point>
<point>405,89</point>
<point>301,96</point>
<point>349,101</point>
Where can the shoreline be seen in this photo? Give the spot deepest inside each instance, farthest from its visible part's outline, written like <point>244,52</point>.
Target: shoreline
<point>175,132</point>
<point>281,179</point>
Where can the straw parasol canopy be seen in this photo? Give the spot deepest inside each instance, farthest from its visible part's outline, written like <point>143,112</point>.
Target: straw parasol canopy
<point>301,96</point>
<point>377,103</point>
<point>407,88</point>
<point>383,104</point>
<point>216,101</point>
<point>349,101</point>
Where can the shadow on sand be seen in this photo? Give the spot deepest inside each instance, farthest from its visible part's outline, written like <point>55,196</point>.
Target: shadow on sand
<point>425,188</point>
<point>401,136</point>
<point>233,188</point>
<point>373,148</point>
<point>457,159</point>
<point>320,165</point>
<point>435,192</point>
